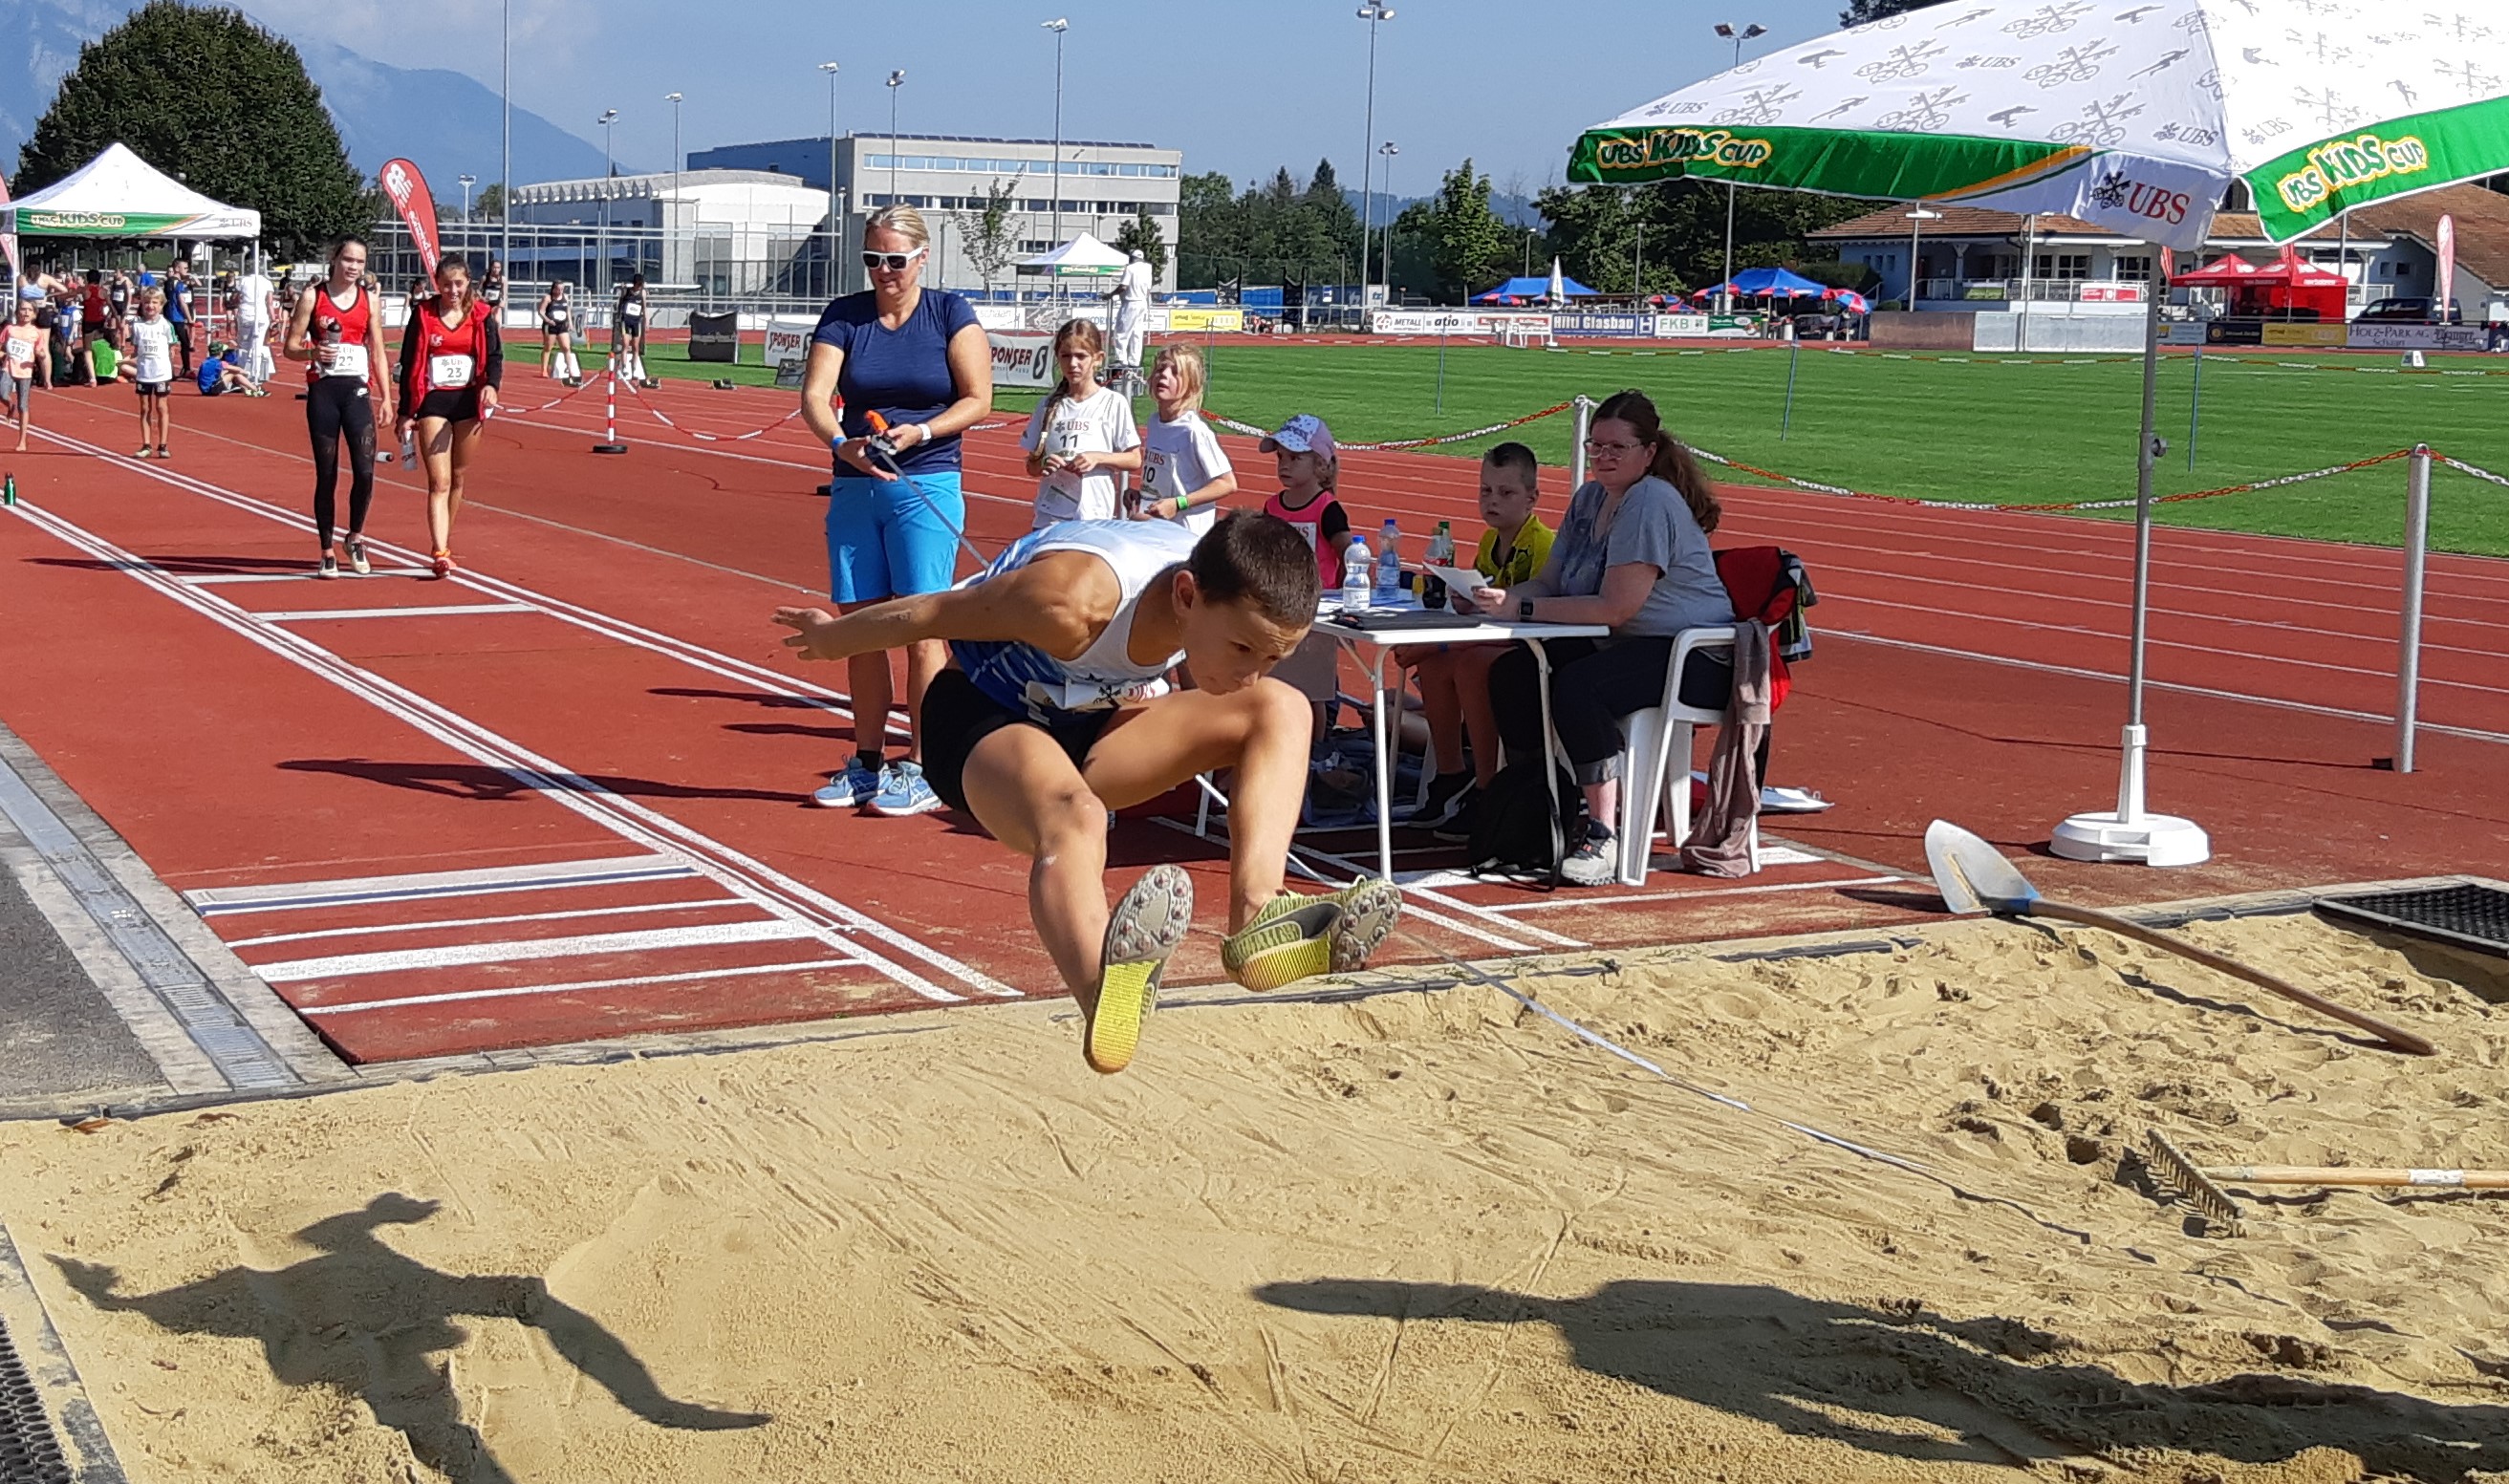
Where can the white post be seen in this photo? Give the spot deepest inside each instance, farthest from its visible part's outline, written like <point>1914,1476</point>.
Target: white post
<point>2409,654</point>
<point>1585,415</point>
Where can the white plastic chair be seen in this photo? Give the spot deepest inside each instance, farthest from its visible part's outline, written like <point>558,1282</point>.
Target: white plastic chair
<point>1654,766</point>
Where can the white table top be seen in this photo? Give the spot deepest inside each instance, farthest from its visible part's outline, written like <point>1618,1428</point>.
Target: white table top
<point>1487,631</point>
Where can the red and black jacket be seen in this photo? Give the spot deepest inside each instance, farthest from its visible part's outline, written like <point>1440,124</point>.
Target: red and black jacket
<point>427,338</point>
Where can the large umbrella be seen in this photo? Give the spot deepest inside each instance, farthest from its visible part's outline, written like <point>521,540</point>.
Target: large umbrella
<point>1558,288</point>
<point>2132,116</point>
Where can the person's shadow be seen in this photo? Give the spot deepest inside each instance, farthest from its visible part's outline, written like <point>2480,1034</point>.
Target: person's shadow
<point>365,1319</point>
<point>1968,1389</point>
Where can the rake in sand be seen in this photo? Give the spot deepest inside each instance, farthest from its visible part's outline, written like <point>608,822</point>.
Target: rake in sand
<point>1973,876</point>
<point>2201,1185</point>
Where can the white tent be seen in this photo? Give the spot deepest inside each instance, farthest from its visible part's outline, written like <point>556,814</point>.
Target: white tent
<point>118,194</point>
<point>1083,257</point>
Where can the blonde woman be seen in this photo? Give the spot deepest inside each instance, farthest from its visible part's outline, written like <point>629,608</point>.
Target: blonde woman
<point>1185,474</point>
<point>915,358</point>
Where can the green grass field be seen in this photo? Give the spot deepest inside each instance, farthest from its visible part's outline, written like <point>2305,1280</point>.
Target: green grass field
<point>1978,430</point>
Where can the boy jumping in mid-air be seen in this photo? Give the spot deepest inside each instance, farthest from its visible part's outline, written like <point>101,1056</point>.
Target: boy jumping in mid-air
<point>1056,710</point>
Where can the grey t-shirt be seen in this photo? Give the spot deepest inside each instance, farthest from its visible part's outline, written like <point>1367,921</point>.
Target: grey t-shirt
<point>1653,525</point>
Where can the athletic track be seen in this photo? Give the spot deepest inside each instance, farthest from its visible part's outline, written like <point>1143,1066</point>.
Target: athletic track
<point>565,795</point>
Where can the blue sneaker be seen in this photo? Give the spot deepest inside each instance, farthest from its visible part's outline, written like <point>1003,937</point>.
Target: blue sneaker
<point>903,792</point>
<point>850,789</point>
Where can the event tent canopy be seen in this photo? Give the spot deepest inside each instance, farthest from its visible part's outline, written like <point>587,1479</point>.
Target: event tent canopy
<point>118,194</point>
<point>1533,289</point>
<point>1752,283</point>
<point>1083,257</point>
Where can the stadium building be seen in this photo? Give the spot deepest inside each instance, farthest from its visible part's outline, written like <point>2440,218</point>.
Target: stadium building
<point>1969,261</point>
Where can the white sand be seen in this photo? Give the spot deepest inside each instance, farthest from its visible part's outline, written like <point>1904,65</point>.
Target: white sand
<point>1422,1237</point>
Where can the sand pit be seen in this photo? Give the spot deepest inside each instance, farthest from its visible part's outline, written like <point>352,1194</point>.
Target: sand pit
<point>1419,1237</point>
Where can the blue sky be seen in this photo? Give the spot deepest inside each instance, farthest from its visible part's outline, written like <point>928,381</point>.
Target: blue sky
<point>1239,86</point>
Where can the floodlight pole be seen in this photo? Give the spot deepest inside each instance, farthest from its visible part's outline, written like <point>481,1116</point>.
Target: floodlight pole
<point>1749,32</point>
<point>673,99</point>
<point>1916,220</point>
<point>1059,27</point>
<point>609,171</point>
<point>505,166</point>
<point>1373,14</point>
<point>1389,150</point>
<point>896,80</point>
<point>836,223</point>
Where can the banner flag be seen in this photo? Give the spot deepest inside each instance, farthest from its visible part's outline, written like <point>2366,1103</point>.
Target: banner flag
<point>2447,268</point>
<point>407,188</point>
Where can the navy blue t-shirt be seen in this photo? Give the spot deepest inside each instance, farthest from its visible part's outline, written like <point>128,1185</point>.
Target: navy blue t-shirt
<point>903,373</point>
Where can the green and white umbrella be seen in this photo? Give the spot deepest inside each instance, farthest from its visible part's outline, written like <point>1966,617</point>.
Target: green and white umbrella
<point>2132,116</point>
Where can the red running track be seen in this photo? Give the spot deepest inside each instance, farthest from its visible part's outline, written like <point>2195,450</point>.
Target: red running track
<point>565,795</point>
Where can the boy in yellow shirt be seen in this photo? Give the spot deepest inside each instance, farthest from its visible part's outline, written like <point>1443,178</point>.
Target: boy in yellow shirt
<point>1454,680</point>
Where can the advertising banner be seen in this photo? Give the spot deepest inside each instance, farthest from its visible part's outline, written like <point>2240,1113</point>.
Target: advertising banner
<point>1594,326</point>
<point>1195,319</point>
<point>2099,291</point>
<point>1393,321</point>
<point>1023,359</point>
<point>714,337</point>
<point>788,346</point>
<point>2235,332</point>
<point>2318,336</point>
<point>2182,332</point>
<point>1674,326</point>
<point>2447,263</point>
<point>2418,337</point>
<point>407,188</point>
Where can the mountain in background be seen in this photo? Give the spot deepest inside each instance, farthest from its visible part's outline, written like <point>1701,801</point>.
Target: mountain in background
<point>445,122</point>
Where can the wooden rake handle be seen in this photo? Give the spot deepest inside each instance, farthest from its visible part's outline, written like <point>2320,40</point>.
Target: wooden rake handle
<point>2401,1039</point>
<point>2344,1174</point>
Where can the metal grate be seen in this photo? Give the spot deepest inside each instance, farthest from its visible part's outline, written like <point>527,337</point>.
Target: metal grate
<point>2468,916</point>
<point>28,1452</point>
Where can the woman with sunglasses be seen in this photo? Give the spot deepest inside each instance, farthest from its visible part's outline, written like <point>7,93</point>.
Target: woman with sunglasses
<point>917,360</point>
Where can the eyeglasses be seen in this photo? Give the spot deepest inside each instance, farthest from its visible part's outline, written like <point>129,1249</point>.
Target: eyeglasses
<point>1596,448</point>
<point>893,262</point>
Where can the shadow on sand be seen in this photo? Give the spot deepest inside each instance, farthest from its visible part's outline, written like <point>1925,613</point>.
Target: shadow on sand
<point>365,1319</point>
<point>1990,1391</point>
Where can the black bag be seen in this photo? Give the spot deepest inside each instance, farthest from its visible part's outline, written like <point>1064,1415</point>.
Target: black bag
<point>1517,828</point>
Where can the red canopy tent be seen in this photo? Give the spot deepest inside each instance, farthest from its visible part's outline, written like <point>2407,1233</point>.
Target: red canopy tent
<point>2274,290</point>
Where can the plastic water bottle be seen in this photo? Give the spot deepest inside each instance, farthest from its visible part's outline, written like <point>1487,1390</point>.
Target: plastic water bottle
<point>1355,566</point>
<point>1389,566</point>
<point>409,449</point>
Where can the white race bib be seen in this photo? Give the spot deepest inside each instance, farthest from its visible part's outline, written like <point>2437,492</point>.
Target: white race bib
<point>349,360</point>
<point>448,373</point>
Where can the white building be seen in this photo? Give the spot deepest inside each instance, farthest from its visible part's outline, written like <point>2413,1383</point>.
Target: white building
<point>725,232</point>
<point>1103,186</point>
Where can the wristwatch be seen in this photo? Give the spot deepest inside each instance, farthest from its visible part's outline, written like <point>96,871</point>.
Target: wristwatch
<point>1525,609</point>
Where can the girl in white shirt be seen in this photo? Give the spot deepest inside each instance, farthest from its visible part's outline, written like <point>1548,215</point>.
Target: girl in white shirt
<point>1185,474</point>
<point>1081,436</point>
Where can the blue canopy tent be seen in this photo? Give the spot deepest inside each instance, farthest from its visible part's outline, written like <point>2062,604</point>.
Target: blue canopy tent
<point>1759,282</point>
<point>1531,288</point>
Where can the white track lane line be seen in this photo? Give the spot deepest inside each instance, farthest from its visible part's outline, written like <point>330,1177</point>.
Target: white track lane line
<point>477,881</point>
<point>458,955</point>
<point>433,924</point>
<point>1553,903</point>
<point>2473,734</point>
<point>439,610</point>
<point>778,894</point>
<point>462,997</point>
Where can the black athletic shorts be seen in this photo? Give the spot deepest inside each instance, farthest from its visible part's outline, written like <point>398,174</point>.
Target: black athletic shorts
<point>956,715</point>
<point>458,406</point>
<point>155,388</point>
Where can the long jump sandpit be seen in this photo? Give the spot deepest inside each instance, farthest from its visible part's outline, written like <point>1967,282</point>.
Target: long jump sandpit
<point>1417,1235</point>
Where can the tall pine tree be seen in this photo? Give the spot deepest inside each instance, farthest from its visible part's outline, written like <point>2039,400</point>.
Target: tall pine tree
<point>214,100</point>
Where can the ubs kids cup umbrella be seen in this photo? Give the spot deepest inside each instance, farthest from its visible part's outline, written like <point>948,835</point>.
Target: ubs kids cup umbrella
<point>2134,115</point>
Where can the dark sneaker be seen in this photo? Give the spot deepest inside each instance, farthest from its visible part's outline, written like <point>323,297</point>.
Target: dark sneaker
<point>1457,827</point>
<point>1445,791</point>
<point>1597,860</point>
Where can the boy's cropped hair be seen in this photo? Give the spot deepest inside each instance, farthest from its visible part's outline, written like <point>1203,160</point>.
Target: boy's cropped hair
<point>1260,560</point>
<point>1513,455</point>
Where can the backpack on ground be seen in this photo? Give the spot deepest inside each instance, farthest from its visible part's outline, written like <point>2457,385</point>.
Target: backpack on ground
<point>1517,829</point>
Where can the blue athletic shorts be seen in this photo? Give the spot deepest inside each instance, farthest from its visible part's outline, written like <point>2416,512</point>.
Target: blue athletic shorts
<point>886,540</point>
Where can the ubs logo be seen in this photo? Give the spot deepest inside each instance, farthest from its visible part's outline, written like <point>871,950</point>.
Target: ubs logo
<point>2117,191</point>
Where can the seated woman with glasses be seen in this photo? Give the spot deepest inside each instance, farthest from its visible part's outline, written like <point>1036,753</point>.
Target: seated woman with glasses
<point>1631,553</point>
<point>916,359</point>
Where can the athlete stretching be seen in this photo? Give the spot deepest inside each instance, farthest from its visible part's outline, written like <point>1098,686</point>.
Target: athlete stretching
<point>338,331</point>
<point>1055,709</point>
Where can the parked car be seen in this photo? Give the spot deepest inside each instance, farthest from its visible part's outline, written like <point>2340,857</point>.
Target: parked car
<point>2421,310</point>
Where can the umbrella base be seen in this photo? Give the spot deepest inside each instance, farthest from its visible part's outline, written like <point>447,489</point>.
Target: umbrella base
<point>2149,839</point>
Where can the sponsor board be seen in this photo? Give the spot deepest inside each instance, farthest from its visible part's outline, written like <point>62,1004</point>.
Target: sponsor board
<point>2235,332</point>
<point>2182,332</point>
<point>788,346</point>
<point>1194,320</point>
<point>1446,321</point>
<point>2099,291</point>
<point>1023,359</point>
<point>1591,326</point>
<point>2418,337</point>
<point>1674,326</point>
<point>714,337</point>
<point>1983,292</point>
<point>2317,336</point>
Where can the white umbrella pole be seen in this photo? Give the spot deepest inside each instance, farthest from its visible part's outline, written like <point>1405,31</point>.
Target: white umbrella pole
<point>2129,834</point>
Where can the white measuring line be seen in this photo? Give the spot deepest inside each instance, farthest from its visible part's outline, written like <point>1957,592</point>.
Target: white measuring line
<point>575,791</point>
<point>1554,904</point>
<point>777,894</point>
<point>431,924</point>
<point>460,955</point>
<point>460,996</point>
<point>221,578</point>
<point>1410,910</point>
<point>436,611</point>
